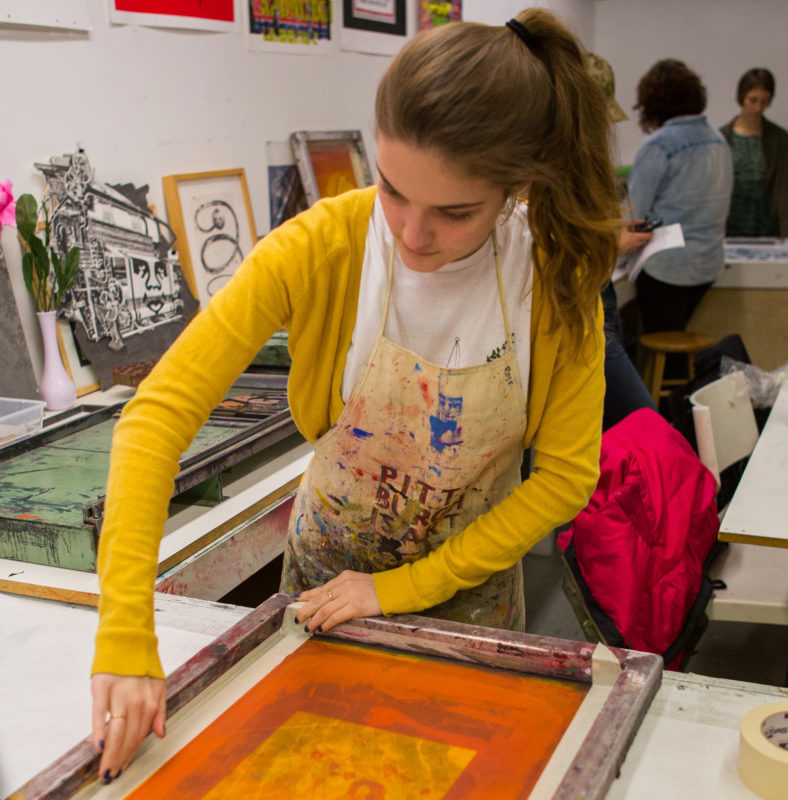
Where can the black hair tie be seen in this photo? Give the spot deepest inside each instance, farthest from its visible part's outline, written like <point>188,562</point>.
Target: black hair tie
<point>528,38</point>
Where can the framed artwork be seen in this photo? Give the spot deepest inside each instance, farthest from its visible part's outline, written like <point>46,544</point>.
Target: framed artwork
<point>211,216</point>
<point>330,162</point>
<point>376,16</point>
<point>208,15</point>
<point>433,14</point>
<point>374,26</point>
<point>282,26</point>
<point>78,367</point>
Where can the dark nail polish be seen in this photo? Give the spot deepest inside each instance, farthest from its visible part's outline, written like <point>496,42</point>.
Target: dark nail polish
<point>105,777</point>
<point>298,595</point>
<point>119,773</point>
<point>320,629</point>
<point>306,628</point>
<point>101,745</point>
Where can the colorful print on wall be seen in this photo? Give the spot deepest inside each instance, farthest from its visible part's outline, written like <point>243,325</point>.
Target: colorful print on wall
<point>433,13</point>
<point>130,300</point>
<point>339,720</point>
<point>215,15</point>
<point>293,26</point>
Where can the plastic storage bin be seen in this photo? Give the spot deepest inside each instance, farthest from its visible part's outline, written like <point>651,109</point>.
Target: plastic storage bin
<point>19,418</point>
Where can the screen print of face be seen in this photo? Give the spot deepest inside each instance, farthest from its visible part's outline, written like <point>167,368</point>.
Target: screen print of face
<point>153,290</point>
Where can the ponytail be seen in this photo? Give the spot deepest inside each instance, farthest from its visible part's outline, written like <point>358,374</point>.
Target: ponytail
<point>573,207</point>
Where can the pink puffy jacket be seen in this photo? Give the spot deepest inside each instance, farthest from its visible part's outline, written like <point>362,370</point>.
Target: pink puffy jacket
<point>643,537</point>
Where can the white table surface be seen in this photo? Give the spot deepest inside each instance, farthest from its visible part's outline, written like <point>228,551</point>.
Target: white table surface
<point>758,512</point>
<point>45,659</point>
<point>686,746</point>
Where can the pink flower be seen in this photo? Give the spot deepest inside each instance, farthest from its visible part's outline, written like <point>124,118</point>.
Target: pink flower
<point>7,205</point>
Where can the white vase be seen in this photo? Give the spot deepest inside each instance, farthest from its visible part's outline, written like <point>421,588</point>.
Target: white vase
<point>56,387</point>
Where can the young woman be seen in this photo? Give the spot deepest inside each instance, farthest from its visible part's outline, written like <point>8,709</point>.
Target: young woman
<point>682,173</point>
<point>759,204</point>
<point>438,326</point>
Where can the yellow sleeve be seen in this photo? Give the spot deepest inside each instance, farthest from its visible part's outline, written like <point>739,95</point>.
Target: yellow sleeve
<point>155,428</point>
<point>303,276</point>
<point>568,429</point>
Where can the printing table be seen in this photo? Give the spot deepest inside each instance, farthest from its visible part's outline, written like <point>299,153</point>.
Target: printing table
<point>685,747</point>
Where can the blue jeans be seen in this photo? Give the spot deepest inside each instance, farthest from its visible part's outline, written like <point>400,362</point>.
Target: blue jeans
<point>625,391</point>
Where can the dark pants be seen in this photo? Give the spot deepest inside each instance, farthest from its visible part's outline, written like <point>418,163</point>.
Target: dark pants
<point>665,306</point>
<point>625,391</point>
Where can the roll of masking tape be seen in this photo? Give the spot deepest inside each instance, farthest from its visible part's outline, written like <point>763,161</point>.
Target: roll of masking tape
<point>763,750</point>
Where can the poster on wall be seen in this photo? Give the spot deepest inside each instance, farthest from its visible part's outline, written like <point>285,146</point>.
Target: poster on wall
<point>130,300</point>
<point>433,14</point>
<point>300,27</point>
<point>379,27</point>
<point>208,15</point>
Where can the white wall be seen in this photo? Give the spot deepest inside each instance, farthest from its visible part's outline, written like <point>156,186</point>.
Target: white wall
<point>148,102</point>
<point>578,15</point>
<point>718,39</point>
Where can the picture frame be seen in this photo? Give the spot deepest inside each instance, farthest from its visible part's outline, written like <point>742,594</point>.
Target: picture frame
<point>330,162</point>
<point>388,16</point>
<point>211,216</point>
<point>379,27</point>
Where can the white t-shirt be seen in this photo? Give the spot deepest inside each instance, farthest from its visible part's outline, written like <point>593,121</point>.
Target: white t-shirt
<point>451,317</point>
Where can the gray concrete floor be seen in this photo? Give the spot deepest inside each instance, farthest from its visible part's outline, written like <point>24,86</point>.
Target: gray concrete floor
<point>733,650</point>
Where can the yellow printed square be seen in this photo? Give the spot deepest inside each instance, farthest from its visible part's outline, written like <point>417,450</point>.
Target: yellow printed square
<point>321,757</point>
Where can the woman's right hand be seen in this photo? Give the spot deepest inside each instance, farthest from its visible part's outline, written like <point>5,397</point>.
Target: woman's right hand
<point>125,709</point>
<point>630,240</point>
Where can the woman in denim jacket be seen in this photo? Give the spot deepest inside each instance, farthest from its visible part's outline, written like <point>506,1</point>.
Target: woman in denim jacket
<point>683,173</point>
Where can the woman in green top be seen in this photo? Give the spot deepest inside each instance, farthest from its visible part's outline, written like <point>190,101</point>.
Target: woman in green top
<point>759,203</point>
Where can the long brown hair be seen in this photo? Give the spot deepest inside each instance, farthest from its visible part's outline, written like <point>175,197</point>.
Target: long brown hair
<point>519,116</point>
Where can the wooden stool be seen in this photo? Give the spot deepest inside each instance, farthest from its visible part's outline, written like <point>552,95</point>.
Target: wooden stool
<point>658,345</point>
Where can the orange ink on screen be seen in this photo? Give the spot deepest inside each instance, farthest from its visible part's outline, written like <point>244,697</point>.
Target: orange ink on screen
<point>333,169</point>
<point>335,720</point>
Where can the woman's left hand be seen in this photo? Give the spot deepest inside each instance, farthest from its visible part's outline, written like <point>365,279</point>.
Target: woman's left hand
<point>349,595</point>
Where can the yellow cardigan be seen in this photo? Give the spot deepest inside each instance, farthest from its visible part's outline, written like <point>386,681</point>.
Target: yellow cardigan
<point>305,276</point>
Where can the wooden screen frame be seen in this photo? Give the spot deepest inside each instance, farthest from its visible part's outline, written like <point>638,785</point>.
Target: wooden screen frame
<point>590,774</point>
<point>300,142</point>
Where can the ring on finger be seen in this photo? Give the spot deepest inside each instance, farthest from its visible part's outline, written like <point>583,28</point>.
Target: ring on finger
<point>116,716</point>
<point>330,595</point>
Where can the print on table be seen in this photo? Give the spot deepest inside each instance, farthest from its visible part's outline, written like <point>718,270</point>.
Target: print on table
<point>340,720</point>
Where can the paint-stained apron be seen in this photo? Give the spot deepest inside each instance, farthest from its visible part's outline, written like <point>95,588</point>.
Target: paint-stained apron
<point>418,452</point>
